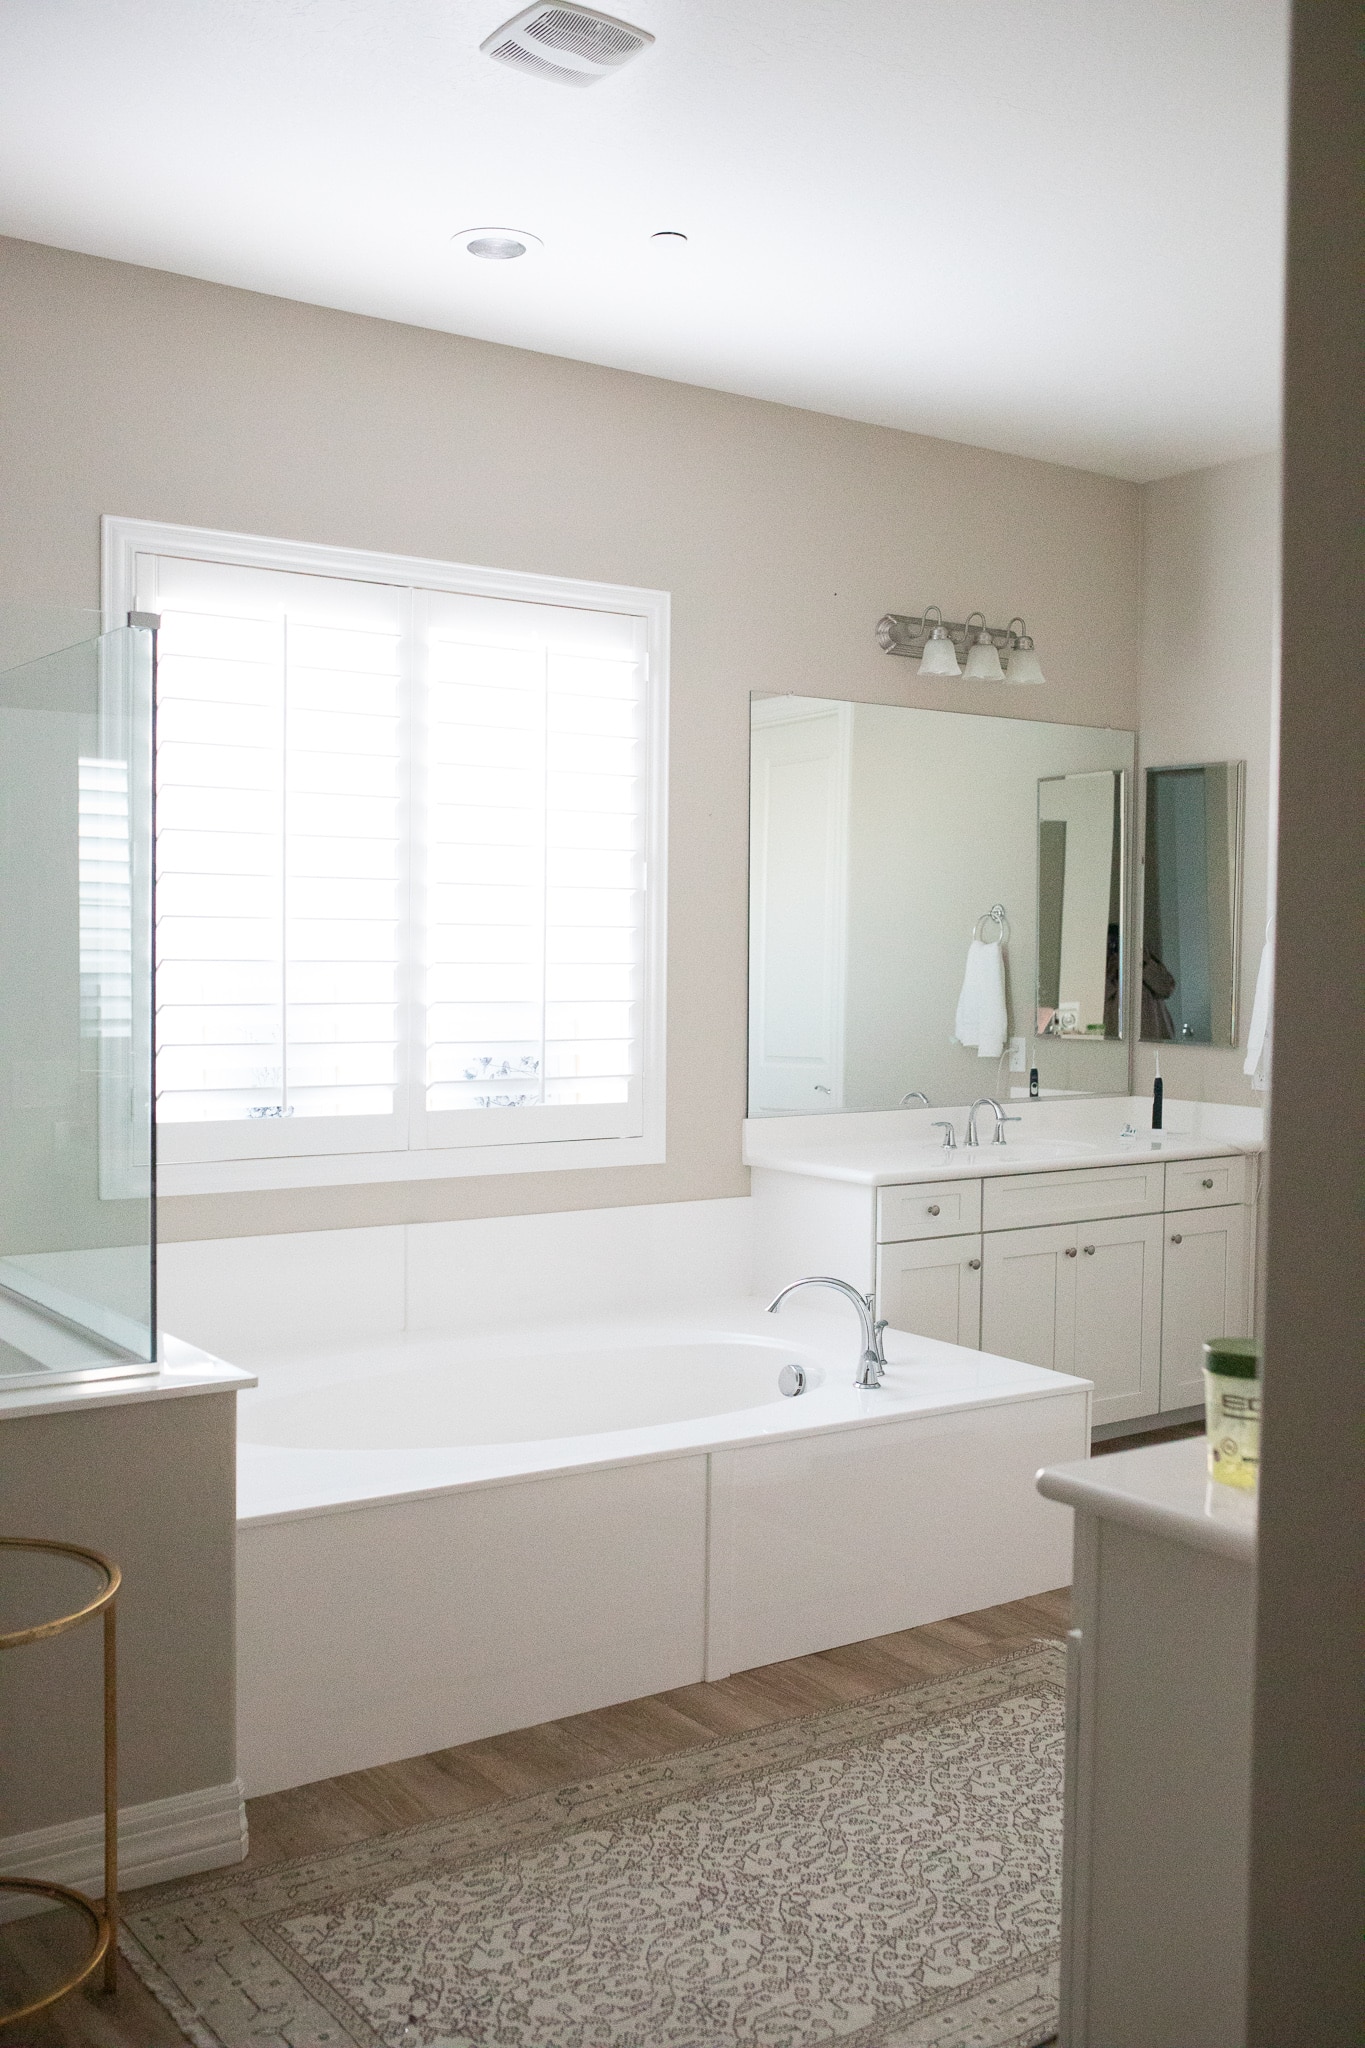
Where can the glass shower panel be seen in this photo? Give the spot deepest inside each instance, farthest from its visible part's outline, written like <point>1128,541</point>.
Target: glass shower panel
<point>77,1216</point>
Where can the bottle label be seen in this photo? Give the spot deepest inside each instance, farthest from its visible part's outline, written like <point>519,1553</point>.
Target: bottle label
<point>1232,1419</point>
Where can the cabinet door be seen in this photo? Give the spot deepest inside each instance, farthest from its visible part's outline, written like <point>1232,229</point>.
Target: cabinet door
<point>1118,1315</point>
<point>932,1288</point>
<point>1204,1294</point>
<point>1028,1295</point>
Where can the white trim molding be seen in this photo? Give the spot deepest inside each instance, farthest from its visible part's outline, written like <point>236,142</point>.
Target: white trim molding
<point>175,1837</point>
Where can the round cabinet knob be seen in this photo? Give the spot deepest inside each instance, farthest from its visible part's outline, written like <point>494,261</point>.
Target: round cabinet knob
<point>1089,1251</point>
<point>1071,1251</point>
<point>933,1208</point>
<point>975,1265</point>
<point>1206,1183</point>
<point>1176,1238</point>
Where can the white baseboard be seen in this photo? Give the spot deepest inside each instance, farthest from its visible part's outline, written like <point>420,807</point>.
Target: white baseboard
<point>164,1838</point>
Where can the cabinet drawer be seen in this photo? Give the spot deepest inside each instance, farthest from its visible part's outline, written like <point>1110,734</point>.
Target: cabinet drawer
<point>931,1208</point>
<point>1020,1200</point>
<point>1206,1183</point>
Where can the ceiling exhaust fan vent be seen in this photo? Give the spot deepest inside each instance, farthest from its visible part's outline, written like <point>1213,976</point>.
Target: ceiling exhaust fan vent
<point>573,45</point>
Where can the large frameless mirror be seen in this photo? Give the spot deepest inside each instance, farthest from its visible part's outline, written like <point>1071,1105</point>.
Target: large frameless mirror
<point>1191,903</point>
<point>884,840</point>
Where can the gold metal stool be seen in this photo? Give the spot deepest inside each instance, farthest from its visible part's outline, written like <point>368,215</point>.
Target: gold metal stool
<point>103,1918</point>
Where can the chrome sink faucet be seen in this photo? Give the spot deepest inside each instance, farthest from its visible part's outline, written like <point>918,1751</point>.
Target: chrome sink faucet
<point>872,1364</point>
<point>915,1095</point>
<point>949,1136</point>
<point>989,1102</point>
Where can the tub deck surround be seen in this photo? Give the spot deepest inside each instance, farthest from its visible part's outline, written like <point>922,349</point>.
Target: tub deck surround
<point>881,1148</point>
<point>184,1370</point>
<point>398,1417</point>
<point>400,1589</point>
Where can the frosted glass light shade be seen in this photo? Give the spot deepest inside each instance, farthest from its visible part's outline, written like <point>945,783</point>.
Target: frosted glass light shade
<point>1023,665</point>
<point>939,657</point>
<point>983,662</point>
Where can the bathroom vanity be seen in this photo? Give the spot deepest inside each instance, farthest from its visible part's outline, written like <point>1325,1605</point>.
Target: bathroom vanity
<point>1086,1243</point>
<point>1158,1751</point>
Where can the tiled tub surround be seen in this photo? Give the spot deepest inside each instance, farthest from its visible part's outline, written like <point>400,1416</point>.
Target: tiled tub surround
<point>1072,1245</point>
<point>420,1562</point>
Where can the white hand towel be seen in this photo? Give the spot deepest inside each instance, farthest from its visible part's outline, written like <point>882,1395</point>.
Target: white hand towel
<point>1259,1031</point>
<point>982,1015</point>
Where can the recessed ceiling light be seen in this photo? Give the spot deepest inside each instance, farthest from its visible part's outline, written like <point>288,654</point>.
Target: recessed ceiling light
<point>497,245</point>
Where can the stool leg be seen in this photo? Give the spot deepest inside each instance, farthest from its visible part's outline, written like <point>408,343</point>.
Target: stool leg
<point>111,1797</point>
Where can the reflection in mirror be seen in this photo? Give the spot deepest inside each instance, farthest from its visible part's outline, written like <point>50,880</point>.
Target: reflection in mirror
<point>1080,905</point>
<point>881,837</point>
<point>1191,903</point>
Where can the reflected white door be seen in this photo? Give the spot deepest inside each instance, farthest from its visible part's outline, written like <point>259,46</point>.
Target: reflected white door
<point>798,891</point>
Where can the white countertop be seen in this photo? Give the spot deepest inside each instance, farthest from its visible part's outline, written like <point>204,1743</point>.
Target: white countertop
<point>1163,1489</point>
<point>876,1148</point>
<point>184,1370</point>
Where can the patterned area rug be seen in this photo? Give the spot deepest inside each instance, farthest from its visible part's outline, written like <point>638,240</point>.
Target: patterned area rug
<point>884,1875</point>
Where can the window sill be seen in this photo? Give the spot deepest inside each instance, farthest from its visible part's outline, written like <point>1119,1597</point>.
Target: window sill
<point>346,1169</point>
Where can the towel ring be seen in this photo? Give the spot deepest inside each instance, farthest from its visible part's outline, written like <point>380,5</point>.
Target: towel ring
<point>996,916</point>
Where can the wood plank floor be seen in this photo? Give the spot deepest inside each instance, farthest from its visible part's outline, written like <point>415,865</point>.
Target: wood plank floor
<point>367,1803</point>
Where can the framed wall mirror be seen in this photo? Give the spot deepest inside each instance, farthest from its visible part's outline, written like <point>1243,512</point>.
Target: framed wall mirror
<point>882,837</point>
<point>1192,903</point>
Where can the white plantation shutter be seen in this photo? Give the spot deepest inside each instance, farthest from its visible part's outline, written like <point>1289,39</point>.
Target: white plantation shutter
<point>535,857</point>
<point>403,842</point>
<point>279,858</point>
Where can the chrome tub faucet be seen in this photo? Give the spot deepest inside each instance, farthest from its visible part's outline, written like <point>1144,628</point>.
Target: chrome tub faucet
<point>872,1364</point>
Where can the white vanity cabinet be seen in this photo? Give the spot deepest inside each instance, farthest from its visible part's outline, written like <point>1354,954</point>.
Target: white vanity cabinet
<point>1204,1294</point>
<point>1082,1298</point>
<point>1116,1271</point>
<point>933,1287</point>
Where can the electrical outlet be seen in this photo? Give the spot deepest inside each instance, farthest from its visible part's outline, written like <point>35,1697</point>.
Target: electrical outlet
<point>1017,1055</point>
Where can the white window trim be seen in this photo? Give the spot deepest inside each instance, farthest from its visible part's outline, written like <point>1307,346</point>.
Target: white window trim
<point>124,539</point>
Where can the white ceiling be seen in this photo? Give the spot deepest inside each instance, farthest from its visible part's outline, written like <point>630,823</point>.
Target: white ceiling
<point>1047,226</point>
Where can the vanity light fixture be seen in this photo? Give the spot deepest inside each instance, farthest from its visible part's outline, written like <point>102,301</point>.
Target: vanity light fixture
<point>939,657</point>
<point>937,643</point>
<point>1021,663</point>
<point>983,662</point>
<point>497,245</point>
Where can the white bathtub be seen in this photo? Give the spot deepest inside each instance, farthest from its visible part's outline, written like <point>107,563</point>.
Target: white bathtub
<point>444,1538</point>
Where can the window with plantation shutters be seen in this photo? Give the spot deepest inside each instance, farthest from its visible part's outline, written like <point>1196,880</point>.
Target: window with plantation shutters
<point>409,863</point>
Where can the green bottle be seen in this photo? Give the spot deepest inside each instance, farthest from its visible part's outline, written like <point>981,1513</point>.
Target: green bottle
<point>1232,1409</point>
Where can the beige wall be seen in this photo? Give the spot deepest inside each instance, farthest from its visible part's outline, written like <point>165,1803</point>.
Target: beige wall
<point>783,535</point>
<point>1210,544</point>
<point>89,1479</point>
